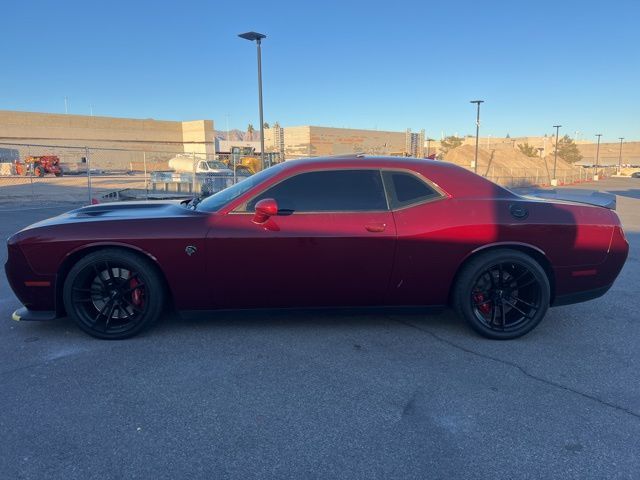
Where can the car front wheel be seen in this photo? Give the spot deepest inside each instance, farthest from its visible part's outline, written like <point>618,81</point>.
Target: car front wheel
<point>502,294</point>
<point>113,294</point>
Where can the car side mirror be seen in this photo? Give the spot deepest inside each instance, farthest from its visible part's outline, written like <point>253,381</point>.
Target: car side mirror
<point>265,208</point>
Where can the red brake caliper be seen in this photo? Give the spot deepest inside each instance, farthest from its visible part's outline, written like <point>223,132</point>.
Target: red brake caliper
<point>136,293</point>
<point>479,298</point>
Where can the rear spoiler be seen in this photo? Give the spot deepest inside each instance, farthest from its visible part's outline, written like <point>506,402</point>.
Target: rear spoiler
<point>590,197</point>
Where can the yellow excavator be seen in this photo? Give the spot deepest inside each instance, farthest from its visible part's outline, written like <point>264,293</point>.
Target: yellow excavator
<point>248,161</point>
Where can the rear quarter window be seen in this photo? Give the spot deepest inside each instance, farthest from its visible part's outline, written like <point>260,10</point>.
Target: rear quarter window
<point>407,189</point>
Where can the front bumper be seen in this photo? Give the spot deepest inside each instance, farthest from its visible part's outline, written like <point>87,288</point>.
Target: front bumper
<point>36,291</point>
<point>24,314</point>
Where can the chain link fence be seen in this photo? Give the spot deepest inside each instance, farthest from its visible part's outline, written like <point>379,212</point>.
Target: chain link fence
<point>37,175</point>
<point>33,175</point>
<point>526,177</point>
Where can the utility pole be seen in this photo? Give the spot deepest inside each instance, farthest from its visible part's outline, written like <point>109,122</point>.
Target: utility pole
<point>475,163</point>
<point>595,175</point>
<point>620,156</point>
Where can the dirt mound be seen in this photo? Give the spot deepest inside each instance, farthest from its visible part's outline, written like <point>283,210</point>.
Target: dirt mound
<point>500,158</point>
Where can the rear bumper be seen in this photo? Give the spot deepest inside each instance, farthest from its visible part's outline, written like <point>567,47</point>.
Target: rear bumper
<point>24,314</point>
<point>578,297</point>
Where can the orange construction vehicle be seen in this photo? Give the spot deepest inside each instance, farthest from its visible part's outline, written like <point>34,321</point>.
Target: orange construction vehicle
<point>39,166</point>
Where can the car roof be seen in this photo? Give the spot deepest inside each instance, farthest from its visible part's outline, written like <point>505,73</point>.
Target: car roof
<point>453,179</point>
<point>359,160</point>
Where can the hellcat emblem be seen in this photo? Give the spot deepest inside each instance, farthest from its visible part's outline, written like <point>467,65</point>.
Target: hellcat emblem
<point>190,250</point>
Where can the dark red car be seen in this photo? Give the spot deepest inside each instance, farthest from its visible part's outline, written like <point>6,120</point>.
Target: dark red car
<point>357,231</point>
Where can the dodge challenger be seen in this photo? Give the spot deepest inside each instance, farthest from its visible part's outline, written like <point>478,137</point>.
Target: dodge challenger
<point>327,232</point>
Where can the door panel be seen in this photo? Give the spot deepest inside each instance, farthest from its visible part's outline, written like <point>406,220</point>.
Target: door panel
<point>301,259</point>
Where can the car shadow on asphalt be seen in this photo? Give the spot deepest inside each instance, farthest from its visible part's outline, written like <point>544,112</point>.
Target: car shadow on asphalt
<point>171,323</point>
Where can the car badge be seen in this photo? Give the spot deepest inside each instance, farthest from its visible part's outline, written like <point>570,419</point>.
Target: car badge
<point>190,250</point>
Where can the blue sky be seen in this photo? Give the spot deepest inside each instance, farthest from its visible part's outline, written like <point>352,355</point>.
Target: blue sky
<point>384,65</point>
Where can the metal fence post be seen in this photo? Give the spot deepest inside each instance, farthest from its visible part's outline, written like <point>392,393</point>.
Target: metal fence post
<point>86,153</point>
<point>146,180</point>
<point>193,181</point>
<point>33,193</point>
<point>235,173</point>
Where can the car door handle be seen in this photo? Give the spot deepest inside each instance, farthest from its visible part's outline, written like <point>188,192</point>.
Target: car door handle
<point>376,227</point>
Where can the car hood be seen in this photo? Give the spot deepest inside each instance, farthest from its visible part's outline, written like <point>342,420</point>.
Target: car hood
<point>119,211</point>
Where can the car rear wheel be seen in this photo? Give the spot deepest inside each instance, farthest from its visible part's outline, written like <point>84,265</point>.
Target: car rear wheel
<point>113,294</point>
<point>502,294</point>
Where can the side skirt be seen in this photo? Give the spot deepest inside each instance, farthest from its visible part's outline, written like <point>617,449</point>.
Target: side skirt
<point>400,309</point>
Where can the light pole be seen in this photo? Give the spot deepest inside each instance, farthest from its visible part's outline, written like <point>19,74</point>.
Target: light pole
<point>475,163</point>
<point>554,180</point>
<point>620,156</point>
<point>595,175</point>
<point>257,37</point>
<point>540,150</point>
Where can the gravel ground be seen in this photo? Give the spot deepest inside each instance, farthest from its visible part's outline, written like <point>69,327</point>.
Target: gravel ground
<point>321,395</point>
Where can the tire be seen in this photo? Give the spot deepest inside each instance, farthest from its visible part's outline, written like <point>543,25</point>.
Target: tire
<point>113,294</point>
<point>502,294</point>
<point>38,171</point>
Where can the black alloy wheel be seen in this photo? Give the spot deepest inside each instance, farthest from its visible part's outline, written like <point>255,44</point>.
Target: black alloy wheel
<point>113,294</point>
<point>502,294</point>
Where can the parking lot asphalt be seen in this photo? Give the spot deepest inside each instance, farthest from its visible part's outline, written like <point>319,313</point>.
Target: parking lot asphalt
<point>306,395</point>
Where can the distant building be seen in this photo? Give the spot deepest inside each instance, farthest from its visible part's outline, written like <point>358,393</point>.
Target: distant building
<point>274,139</point>
<point>414,144</point>
<point>313,141</point>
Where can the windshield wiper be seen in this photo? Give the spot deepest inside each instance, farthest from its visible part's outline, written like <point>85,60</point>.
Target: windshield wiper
<point>193,203</point>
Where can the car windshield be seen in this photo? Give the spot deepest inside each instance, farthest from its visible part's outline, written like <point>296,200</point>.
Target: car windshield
<point>217,201</point>
<point>213,165</point>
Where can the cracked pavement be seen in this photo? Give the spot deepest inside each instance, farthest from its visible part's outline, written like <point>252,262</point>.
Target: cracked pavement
<point>328,394</point>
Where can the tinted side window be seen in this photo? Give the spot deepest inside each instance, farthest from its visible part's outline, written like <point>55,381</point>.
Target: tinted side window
<point>328,191</point>
<point>407,189</point>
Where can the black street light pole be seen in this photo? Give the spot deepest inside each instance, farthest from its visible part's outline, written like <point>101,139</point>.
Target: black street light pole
<point>475,163</point>
<point>620,156</point>
<point>257,37</point>
<point>595,175</point>
<point>554,181</point>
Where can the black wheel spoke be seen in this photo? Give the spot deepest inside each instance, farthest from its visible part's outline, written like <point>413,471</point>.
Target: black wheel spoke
<point>531,305</point>
<point>530,282</point>
<point>99,277</point>
<point>494,307</point>
<point>109,273</point>
<point>492,279</point>
<point>504,319</point>
<point>132,305</point>
<point>102,311</point>
<point>521,276</point>
<point>518,309</point>
<point>110,314</point>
